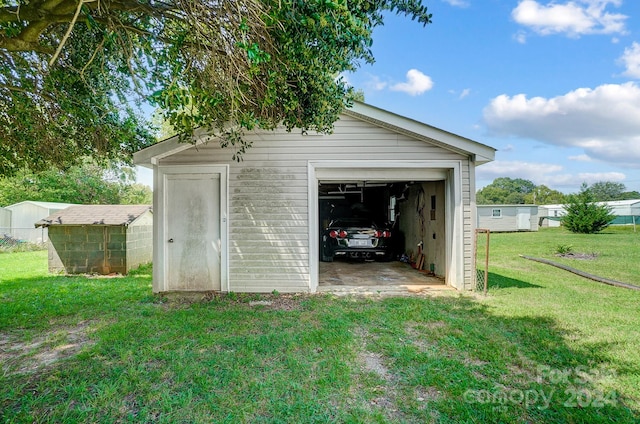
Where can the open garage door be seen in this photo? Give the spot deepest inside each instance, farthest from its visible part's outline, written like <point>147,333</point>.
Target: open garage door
<point>412,210</point>
<point>423,197</point>
<point>383,221</point>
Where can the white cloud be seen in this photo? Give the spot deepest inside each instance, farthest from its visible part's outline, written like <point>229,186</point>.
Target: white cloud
<point>417,83</point>
<point>604,122</point>
<point>375,83</point>
<point>516,169</point>
<point>631,60</point>
<point>520,37</point>
<point>573,18</point>
<point>464,93</point>
<point>457,3</point>
<point>548,174</point>
<point>581,158</point>
<point>574,181</point>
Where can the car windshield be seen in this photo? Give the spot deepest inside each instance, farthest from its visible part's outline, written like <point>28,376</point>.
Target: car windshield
<point>353,222</point>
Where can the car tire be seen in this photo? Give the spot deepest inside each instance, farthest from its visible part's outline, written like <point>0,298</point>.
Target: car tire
<point>327,258</point>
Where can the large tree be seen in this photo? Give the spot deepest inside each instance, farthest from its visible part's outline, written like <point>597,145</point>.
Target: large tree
<point>88,183</point>
<point>543,195</point>
<point>71,71</point>
<point>505,190</point>
<point>604,191</point>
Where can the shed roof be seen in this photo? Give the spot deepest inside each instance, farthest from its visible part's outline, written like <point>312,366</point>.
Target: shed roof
<point>508,205</point>
<point>481,153</point>
<point>118,215</point>
<point>630,202</point>
<point>45,205</point>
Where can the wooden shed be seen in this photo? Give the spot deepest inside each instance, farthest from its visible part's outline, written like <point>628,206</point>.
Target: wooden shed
<point>506,218</point>
<point>254,225</point>
<point>101,239</point>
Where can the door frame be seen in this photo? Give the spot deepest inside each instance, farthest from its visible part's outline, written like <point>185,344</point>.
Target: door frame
<point>449,171</point>
<point>161,227</point>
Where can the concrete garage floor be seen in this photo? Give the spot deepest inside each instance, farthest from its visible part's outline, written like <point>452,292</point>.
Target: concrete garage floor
<point>376,278</point>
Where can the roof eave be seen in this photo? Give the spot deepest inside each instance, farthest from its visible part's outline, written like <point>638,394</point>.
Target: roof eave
<point>478,152</point>
<point>150,156</point>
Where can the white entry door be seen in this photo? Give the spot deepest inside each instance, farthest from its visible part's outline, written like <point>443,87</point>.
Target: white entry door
<point>193,231</point>
<point>523,216</point>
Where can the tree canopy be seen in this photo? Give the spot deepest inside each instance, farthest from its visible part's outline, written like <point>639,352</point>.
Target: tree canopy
<point>88,183</point>
<point>505,190</point>
<point>73,71</point>
<point>604,191</point>
<point>515,191</point>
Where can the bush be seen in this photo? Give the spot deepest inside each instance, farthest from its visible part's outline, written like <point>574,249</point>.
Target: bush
<point>563,249</point>
<point>584,216</point>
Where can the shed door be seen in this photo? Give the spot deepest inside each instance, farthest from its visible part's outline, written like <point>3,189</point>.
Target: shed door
<point>523,216</point>
<point>193,231</point>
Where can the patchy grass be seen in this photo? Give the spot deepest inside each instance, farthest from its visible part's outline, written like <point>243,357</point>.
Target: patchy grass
<point>544,346</point>
<point>614,253</point>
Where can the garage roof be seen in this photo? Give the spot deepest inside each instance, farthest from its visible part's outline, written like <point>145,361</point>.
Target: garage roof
<point>479,152</point>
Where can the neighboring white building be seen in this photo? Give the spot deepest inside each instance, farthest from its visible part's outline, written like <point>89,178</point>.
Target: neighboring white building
<point>625,207</point>
<point>506,218</point>
<point>254,225</point>
<point>5,220</point>
<point>550,215</point>
<point>624,210</point>
<point>25,214</point>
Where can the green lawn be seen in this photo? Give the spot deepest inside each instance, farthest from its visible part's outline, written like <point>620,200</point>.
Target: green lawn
<point>544,346</point>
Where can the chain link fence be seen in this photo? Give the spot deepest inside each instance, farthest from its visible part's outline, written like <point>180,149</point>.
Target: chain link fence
<point>481,254</point>
<point>23,239</point>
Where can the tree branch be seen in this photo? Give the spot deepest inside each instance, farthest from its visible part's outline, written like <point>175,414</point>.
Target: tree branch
<point>68,33</point>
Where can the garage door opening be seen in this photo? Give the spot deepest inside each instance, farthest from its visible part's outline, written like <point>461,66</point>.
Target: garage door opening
<point>381,233</point>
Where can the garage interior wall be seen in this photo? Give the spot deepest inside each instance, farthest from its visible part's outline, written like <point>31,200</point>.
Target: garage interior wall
<point>422,221</point>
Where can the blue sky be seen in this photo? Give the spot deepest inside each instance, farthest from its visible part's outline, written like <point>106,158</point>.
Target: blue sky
<point>554,86</point>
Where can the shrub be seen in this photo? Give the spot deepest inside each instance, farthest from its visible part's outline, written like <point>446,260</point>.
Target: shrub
<point>584,216</point>
<point>563,249</point>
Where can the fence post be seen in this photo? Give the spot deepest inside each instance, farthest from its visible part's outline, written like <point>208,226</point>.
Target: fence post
<point>484,276</point>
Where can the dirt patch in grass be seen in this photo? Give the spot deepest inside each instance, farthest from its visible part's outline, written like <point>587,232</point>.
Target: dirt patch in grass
<point>19,357</point>
<point>577,255</point>
<point>280,302</point>
<point>373,363</point>
<point>385,396</point>
<point>276,302</point>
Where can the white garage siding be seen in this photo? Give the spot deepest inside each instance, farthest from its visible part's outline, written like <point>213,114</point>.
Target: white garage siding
<point>268,196</point>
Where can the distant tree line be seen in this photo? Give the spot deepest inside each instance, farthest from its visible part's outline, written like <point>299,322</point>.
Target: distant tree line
<point>88,183</point>
<point>517,191</point>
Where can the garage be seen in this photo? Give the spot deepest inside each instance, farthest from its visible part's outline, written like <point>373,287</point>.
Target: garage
<point>267,211</point>
<point>416,203</point>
